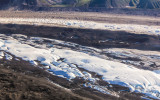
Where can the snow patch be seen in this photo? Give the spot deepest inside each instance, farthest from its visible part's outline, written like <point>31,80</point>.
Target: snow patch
<point>145,29</point>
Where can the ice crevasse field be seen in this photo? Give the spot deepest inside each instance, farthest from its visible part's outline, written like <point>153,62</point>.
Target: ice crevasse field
<point>66,63</point>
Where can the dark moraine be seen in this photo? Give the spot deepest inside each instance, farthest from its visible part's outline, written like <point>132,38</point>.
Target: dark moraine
<point>88,37</point>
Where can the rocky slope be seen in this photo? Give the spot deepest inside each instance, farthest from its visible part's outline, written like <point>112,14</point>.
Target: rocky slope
<point>113,3</point>
<point>151,4</point>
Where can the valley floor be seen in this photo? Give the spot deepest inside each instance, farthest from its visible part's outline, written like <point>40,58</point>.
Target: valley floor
<point>104,21</point>
<point>85,16</point>
<point>108,56</point>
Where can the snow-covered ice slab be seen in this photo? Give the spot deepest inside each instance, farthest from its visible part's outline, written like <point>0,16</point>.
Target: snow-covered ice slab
<point>63,62</point>
<point>1,54</point>
<point>144,29</point>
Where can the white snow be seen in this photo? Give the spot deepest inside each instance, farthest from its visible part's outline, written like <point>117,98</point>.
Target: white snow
<point>64,63</point>
<point>1,54</point>
<point>144,29</point>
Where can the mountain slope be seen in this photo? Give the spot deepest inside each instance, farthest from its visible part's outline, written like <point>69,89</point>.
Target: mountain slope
<point>151,4</point>
<point>134,2</point>
<point>110,3</point>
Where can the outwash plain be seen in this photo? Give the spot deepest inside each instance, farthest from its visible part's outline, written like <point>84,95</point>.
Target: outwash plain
<point>79,56</point>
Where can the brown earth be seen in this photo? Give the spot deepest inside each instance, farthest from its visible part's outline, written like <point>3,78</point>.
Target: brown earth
<point>88,16</point>
<point>18,86</point>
